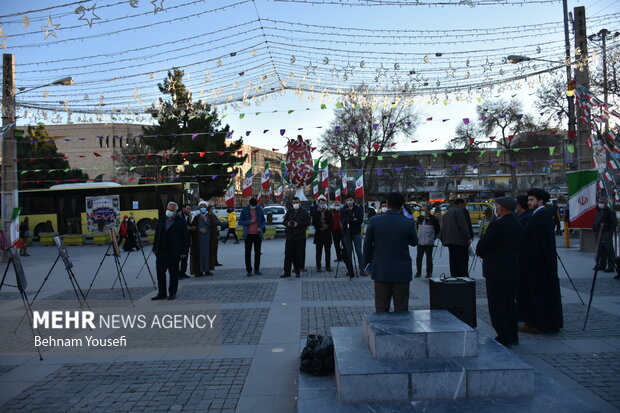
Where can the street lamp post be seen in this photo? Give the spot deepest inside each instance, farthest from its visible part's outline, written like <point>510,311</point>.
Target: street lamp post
<point>9,145</point>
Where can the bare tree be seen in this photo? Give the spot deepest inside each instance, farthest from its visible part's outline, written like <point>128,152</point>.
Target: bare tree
<point>363,129</point>
<point>551,96</point>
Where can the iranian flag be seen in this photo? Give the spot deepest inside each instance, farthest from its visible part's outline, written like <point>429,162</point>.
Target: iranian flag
<point>247,183</point>
<point>264,181</point>
<point>279,191</point>
<point>315,190</point>
<point>359,185</point>
<point>337,194</point>
<point>259,198</point>
<point>582,198</point>
<point>229,197</point>
<point>14,232</point>
<point>345,183</point>
<point>324,175</point>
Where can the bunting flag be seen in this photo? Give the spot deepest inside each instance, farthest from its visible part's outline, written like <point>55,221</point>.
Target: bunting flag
<point>315,190</point>
<point>359,185</point>
<point>229,197</point>
<point>616,196</point>
<point>337,194</point>
<point>608,176</point>
<point>247,183</point>
<point>612,164</point>
<point>345,183</point>
<point>582,197</point>
<point>278,192</point>
<point>264,182</point>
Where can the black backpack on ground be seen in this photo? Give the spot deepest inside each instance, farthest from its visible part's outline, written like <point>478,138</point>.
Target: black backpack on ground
<point>317,357</point>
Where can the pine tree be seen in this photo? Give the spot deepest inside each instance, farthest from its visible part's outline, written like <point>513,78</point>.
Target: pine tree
<point>38,155</point>
<point>179,119</point>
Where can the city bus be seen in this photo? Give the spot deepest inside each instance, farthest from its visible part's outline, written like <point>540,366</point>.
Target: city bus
<point>62,208</point>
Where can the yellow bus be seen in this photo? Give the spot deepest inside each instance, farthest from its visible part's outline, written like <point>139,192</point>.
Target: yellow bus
<point>62,208</point>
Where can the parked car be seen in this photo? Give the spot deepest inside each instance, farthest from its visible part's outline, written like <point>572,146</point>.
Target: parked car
<point>477,210</point>
<point>277,213</point>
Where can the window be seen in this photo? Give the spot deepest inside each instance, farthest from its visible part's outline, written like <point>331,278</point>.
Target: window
<point>472,207</point>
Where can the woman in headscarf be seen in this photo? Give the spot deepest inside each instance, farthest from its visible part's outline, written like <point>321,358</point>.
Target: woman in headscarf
<point>201,242</point>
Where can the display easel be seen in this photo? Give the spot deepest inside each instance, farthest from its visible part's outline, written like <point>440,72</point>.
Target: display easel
<point>21,284</point>
<point>64,254</point>
<point>144,257</point>
<point>120,276</point>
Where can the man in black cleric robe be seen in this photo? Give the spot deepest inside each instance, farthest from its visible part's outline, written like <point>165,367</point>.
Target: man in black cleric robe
<point>540,302</point>
<point>499,249</point>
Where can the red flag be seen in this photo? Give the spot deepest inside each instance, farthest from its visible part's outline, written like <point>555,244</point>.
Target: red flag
<point>324,179</point>
<point>264,182</point>
<point>230,194</point>
<point>97,155</point>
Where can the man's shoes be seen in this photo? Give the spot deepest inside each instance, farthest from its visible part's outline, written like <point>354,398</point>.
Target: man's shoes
<point>429,275</point>
<point>609,270</point>
<point>183,276</point>
<point>328,269</point>
<point>218,264</point>
<point>506,342</point>
<point>304,269</point>
<point>529,329</point>
<point>249,273</point>
<point>172,296</point>
<point>297,275</point>
<point>158,297</point>
<point>208,273</point>
<point>417,275</point>
<point>285,276</point>
<point>258,273</point>
<point>200,274</point>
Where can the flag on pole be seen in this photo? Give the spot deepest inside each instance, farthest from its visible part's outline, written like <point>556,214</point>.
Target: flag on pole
<point>247,183</point>
<point>279,191</point>
<point>315,189</point>
<point>359,185</point>
<point>324,175</point>
<point>612,164</point>
<point>264,182</point>
<point>608,176</point>
<point>582,197</point>
<point>344,183</point>
<point>259,198</point>
<point>14,232</point>
<point>229,197</point>
<point>337,195</point>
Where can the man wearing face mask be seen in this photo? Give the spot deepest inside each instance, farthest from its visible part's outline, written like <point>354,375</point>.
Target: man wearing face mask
<point>322,222</point>
<point>336,231</point>
<point>383,208</point>
<point>169,247</point>
<point>201,242</point>
<point>605,223</point>
<point>186,214</point>
<point>351,219</point>
<point>253,222</point>
<point>296,221</point>
<point>428,229</point>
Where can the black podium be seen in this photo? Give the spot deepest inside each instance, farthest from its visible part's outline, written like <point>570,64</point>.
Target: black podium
<point>457,295</point>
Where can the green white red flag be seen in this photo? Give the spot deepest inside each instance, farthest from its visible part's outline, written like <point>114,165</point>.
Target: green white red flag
<point>345,183</point>
<point>359,185</point>
<point>229,197</point>
<point>247,183</point>
<point>264,182</point>
<point>582,197</point>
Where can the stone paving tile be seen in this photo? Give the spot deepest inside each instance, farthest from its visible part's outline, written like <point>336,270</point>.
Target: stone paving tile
<point>20,340</point>
<point>178,385</point>
<point>598,372</point>
<point>601,324</point>
<point>340,289</point>
<point>605,285</point>
<point>103,293</point>
<point>319,320</point>
<point>5,368</point>
<point>10,295</point>
<point>223,274</point>
<point>229,293</point>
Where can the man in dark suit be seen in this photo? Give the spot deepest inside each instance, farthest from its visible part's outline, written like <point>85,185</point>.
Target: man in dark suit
<point>386,249</point>
<point>296,221</point>
<point>171,244</point>
<point>499,250</point>
<point>540,303</point>
<point>186,214</point>
<point>456,234</point>
<point>605,224</point>
<point>322,222</point>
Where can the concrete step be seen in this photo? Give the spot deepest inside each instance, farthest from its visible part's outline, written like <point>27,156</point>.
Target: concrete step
<point>418,334</point>
<point>496,372</point>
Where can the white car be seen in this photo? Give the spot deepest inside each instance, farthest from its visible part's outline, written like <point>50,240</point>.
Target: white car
<point>277,213</point>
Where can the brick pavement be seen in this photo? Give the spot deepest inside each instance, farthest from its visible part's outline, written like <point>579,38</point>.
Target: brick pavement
<point>262,319</point>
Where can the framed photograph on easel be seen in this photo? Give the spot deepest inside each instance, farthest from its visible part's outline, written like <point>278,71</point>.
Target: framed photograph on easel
<point>117,251</point>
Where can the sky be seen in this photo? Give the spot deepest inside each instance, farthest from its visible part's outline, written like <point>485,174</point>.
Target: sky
<point>120,59</point>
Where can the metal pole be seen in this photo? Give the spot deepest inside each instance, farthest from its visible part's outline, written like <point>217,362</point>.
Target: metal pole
<point>9,146</point>
<point>603,33</point>
<point>569,77</point>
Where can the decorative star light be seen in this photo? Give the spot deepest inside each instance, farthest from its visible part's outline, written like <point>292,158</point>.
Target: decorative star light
<point>3,37</point>
<point>26,22</point>
<point>412,75</point>
<point>450,71</point>
<point>47,30</point>
<point>381,71</point>
<point>158,8</point>
<point>134,3</point>
<point>89,19</point>
<point>395,79</point>
<point>348,69</point>
<point>310,69</point>
<point>335,71</point>
<point>487,66</point>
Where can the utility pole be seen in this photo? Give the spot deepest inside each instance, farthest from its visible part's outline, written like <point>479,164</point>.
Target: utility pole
<point>582,77</point>
<point>569,78</point>
<point>9,146</point>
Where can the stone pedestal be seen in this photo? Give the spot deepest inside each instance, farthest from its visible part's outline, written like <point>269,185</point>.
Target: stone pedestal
<point>423,355</point>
